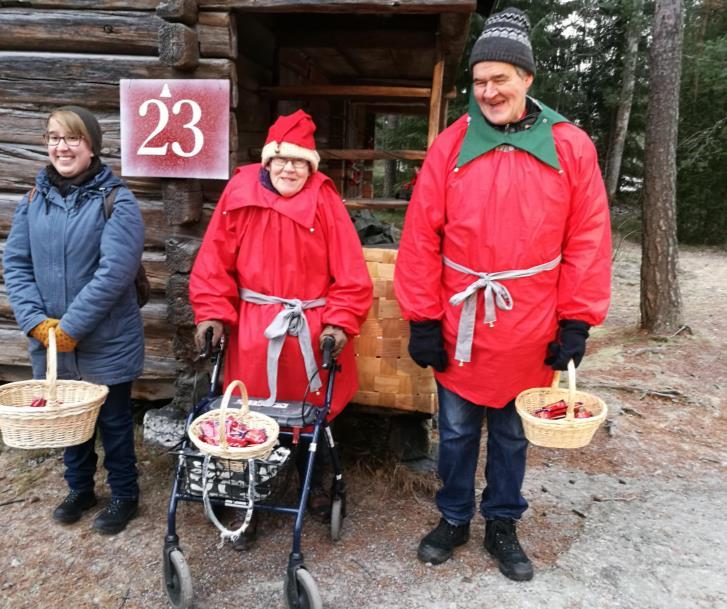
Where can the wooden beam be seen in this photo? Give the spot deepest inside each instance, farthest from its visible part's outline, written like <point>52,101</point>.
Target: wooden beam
<point>217,34</point>
<point>371,155</point>
<point>375,203</point>
<point>435,101</point>
<point>344,6</point>
<point>354,91</point>
<point>100,5</point>
<point>127,33</point>
<point>356,39</point>
<point>89,79</point>
<point>178,46</point>
<point>454,31</point>
<point>179,11</point>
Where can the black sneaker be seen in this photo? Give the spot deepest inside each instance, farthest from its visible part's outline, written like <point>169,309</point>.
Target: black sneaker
<point>116,516</point>
<point>77,502</point>
<point>438,545</point>
<point>501,541</point>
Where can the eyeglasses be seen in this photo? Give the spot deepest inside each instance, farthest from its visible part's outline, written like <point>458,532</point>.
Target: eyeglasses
<point>71,140</point>
<point>279,163</point>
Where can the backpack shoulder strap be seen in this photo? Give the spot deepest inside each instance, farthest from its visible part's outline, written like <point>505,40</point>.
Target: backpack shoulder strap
<point>31,194</point>
<point>108,203</point>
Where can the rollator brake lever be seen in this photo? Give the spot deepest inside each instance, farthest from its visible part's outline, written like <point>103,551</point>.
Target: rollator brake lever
<point>328,343</point>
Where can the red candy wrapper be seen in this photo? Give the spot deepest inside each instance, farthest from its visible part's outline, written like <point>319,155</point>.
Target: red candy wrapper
<point>237,434</point>
<point>558,410</point>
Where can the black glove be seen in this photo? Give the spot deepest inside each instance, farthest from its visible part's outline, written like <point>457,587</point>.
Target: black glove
<point>569,344</point>
<point>426,345</point>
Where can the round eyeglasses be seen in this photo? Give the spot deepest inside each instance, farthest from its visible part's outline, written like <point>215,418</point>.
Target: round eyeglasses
<point>279,163</point>
<point>71,140</point>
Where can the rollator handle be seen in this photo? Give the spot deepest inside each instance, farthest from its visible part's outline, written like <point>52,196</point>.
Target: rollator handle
<point>328,343</point>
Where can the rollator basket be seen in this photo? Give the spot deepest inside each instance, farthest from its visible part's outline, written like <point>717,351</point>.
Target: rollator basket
<point>236,456</point>
<point>68,417</point>
<point>569,432</point>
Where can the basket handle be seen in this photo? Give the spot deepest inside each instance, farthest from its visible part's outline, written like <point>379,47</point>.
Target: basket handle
<point>571,402</point>
<point>222,437</point>
<point>51,370</point>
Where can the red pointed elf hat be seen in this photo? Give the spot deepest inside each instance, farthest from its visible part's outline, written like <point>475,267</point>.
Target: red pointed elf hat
<point>291,136</point>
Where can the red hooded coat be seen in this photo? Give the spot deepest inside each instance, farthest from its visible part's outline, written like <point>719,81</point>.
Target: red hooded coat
<point>502,211</point>
<point>303,247</point>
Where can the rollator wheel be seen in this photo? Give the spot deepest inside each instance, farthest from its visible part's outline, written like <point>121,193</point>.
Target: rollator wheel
<point>336,518</point>
<point>308,595</point>
<point>178,580</point>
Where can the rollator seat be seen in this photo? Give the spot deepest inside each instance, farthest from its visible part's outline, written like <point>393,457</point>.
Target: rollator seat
<point>287,414</point>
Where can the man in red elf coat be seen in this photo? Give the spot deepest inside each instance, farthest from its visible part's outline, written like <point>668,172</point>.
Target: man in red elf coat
<point>509,226</point>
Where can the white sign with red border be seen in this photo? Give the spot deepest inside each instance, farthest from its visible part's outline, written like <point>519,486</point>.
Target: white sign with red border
<point>177,128</point>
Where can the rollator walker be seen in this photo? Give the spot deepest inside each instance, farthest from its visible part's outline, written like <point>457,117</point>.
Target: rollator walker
<point>245,485</point>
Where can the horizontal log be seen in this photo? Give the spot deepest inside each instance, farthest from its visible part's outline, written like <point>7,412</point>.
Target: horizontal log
<point>90,80</point>
<point>344,6</point>
<point>153,313</point>
<point>121,32</point>
<point>356,154</point>
<point>352,91</point>
<point>157,364</point>
<point>375,203</point>
<point>156,230</point>
<point>182,11</point>
<point>217,35</point>
<point>357,39</point>
<point>101,5</point>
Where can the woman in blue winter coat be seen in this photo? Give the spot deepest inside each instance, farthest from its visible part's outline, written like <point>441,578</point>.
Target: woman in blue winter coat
<point>68,266</point>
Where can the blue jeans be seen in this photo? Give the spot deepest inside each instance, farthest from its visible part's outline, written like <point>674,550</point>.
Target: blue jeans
<point>460,430</point>
<point>117,436</point>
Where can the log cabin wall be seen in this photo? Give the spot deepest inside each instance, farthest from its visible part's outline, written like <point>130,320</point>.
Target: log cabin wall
<point>70,52</point>
<point>55,52</point>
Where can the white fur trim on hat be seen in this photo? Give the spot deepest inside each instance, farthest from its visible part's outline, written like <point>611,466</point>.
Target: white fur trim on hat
<point>292,151</point>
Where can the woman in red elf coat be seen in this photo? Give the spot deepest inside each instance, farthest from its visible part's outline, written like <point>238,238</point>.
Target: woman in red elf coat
<point>281,267</point>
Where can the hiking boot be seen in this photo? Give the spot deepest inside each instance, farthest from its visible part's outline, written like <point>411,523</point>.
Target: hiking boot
<point>438,545</point>
<point>116,516</point>
<point>75,503</point>
<point>246,541</point>
<point>501,542</point>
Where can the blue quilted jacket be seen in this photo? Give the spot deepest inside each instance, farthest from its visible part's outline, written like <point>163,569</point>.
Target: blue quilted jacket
<point>63,259</point>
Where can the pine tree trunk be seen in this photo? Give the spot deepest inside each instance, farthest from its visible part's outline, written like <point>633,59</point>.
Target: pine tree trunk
<point>628,78</point>
<point>661,305</point>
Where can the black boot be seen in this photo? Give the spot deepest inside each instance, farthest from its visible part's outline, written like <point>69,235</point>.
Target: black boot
<point>246,541</point>
<point>438,545</point>
<point>116,516</point>
<point>501,541</point>
<point>73,506</point>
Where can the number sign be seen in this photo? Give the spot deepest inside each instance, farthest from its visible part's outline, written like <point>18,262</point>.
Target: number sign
<point>175,128</point>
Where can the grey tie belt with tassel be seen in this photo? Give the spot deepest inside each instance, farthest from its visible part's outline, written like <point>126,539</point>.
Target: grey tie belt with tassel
<point>290,320</point>
<point>496,296</point>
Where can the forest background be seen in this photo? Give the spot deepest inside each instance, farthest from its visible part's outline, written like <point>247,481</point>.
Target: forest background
<point>592,67</point>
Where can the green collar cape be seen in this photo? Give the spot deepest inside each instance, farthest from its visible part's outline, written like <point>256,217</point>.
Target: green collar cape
<point>481,137</point>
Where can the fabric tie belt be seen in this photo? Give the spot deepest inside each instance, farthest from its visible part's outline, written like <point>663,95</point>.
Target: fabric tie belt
<point>496,296</point>
<point>290,320</point>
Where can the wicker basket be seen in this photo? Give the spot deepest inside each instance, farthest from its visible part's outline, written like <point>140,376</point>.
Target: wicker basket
<point>387,376</point>
<point>237,456</point>
<point>560,433</point>
<point>68,418</point>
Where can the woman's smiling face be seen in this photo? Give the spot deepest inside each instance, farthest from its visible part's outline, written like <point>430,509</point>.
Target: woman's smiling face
<point>288,176</point>
<point>69,161</point>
